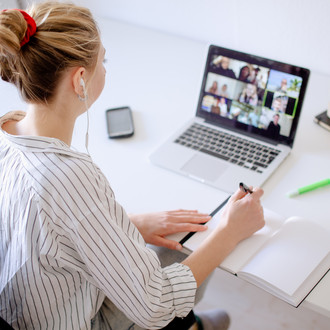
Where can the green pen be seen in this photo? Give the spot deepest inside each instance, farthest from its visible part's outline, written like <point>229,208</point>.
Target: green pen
<point>310,187</point>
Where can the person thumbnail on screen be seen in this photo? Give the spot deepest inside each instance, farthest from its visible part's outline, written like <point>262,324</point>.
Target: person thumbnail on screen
<point>249,95</point>
<point>220,86</point>
<point>207,102</point>
<point>214,89</point>
<point>273,129</point>
<point>284,121</point>
<point>253,74</point>
<point>222,65</point>
<point>281,103</point>
<point>240,111</point>
<point>224,91</point>
<point>245,114</point>
<point>224,106</point>
<point>278,104</point>
<point>244,73</point>
<point>283,86</point>
<point>253,116</point>
<point>284,83</point>
<point>216,105</point>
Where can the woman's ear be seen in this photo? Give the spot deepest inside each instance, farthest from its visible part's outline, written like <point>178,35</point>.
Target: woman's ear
<point>78,81</point>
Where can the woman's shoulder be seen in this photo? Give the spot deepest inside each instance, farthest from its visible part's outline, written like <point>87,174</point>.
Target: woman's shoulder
<point>72,185</point>
<point>12,115</point>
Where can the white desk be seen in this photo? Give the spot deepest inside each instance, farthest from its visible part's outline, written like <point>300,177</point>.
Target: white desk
<point>159,76</point>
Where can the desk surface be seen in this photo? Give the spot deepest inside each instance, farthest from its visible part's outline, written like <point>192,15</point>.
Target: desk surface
<point>159,76</point>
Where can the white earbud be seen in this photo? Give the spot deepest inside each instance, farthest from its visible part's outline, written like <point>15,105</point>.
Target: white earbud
<point>82,84</point>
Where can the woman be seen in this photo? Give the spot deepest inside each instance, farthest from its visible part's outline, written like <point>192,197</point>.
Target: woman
<point>249,95</point>
<point>214,88</point>
<point>244,73</point>
<point>70,257</point>
<point>223,107</point>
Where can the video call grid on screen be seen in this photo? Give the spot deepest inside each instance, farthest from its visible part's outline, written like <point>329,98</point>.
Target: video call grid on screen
<point>258,95</point>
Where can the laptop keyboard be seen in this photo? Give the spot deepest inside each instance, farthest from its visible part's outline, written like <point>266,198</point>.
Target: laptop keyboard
<point>239,151</point>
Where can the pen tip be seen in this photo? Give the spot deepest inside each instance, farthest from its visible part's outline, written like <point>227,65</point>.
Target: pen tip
<point>292,193</point>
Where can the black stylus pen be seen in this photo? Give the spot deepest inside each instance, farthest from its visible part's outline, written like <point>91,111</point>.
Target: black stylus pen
<point>211,214</point>
<point>245,188</point>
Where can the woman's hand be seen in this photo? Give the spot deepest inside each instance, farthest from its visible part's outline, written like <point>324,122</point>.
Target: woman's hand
<point>243,214</point>
<point>241,217</point>
<point>155,226</point>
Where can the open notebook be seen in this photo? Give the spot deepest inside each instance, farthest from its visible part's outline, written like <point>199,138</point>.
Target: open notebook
<point>287,257</point>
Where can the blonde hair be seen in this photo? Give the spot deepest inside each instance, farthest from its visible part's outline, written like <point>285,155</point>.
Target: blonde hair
<point>66,36</point>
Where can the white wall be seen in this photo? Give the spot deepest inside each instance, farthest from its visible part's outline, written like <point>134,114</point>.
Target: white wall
<point>294,31</point>
<point>4,4</point>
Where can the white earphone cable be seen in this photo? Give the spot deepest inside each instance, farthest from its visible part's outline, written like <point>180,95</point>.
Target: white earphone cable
<point>87,130</point>
<point>82,83</point>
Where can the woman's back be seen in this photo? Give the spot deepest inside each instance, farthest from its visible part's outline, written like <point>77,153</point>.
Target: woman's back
<point>36,290</point>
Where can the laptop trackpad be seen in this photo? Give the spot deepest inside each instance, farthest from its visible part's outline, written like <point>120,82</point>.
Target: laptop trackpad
<point>204,167</point>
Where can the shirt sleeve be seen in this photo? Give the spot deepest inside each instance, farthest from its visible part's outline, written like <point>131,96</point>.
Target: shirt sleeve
<point>115,256</point>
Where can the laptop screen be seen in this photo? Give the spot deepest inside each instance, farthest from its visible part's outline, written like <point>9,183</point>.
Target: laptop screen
<point>254,95</point>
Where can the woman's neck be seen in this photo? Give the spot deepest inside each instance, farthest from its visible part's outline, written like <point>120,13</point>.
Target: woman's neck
<point>55,119</point>
<point>50,121</point>
<point>44,120</point>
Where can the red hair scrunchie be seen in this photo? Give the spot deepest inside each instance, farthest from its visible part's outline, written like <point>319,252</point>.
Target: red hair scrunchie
<point>31,26</point>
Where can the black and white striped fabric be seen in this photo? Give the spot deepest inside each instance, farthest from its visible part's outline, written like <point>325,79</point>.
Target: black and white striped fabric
<point>66,244</point>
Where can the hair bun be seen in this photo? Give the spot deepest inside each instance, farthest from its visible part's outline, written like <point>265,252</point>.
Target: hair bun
<point>67,37</point>
<point>13,27</point>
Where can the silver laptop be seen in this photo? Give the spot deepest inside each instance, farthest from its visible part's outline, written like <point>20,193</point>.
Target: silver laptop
<point>245,123</point>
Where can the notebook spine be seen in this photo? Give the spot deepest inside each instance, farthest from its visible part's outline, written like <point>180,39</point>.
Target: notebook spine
<point>323,120</point>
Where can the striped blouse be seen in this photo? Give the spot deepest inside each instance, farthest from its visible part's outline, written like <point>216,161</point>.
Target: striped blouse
<point>66,244</point>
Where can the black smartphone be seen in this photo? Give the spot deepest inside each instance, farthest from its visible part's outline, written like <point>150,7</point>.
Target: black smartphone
<point>119,122</point>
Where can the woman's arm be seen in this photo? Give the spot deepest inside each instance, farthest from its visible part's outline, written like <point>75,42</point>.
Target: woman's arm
<point>242,216</point>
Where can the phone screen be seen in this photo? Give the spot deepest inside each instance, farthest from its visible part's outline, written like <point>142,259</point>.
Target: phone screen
<point>119,122</point>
